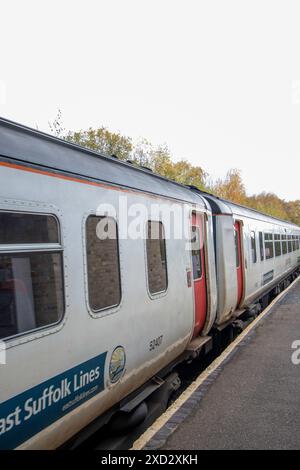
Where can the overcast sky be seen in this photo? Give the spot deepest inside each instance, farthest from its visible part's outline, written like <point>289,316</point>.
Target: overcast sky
<point>218,81</point>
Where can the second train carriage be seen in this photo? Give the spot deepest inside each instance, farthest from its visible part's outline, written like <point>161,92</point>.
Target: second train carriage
<point>254,254</point>
<point>87,322</point>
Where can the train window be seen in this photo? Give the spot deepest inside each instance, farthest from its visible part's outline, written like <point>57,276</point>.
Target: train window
<point>23,229</point>
<point>253,247</point>
<point>284,244</point>
<point>297,242</point>
<point>269,245</point>
<point>294,243</point>
<point>156,257</point>
<point>236,244</point>
<point>103,267</point>
<point>196,253</point>
<point>290,243</point>
<point>31,273</point>
<point>277,245</point>
<point>261,246</point>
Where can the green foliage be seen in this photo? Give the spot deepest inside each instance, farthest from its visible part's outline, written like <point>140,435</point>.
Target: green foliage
<point>103,141</point>
<point>160,161</point>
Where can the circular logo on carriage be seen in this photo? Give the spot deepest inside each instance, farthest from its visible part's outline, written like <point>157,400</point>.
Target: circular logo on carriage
<point>117,364</point>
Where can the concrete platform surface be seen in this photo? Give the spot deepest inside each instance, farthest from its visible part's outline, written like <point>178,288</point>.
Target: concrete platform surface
<point>253,402</point>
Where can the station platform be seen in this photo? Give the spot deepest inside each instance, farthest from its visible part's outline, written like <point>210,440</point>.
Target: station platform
<point>248,398</point>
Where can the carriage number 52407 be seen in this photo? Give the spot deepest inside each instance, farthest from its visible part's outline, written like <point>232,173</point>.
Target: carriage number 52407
<point>155,343</point>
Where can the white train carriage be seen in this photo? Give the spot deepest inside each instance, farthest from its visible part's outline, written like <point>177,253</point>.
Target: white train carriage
<point>86,321</point>
<point>255,254</point>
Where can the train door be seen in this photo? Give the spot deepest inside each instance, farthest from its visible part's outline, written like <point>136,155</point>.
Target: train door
<point>239,263</point>
<point>199,275</point>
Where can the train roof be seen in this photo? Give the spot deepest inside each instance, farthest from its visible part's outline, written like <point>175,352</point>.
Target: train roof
<point>33,147</point>
<point>223,206</point>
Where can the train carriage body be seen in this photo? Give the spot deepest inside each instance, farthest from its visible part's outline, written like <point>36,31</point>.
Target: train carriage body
<point>254,253</point>
<point>86,324</point>
<point>86,321</point>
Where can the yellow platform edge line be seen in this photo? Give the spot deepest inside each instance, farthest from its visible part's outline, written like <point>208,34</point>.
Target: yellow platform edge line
<point>142,441</point>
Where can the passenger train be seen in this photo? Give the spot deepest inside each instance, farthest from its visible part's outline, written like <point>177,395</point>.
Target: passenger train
<point>90,325</point>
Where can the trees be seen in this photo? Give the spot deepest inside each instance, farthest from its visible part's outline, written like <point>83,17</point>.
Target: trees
<point>293,211</point>
<point>160,160</point>
<point>270,204</point>
<point>56,127</point>
<point>103,141</point>
<point>232,188</point>
<point>185,173</point>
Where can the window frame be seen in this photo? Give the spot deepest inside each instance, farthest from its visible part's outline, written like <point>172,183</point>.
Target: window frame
<point>284,244</point>
<point>294,243</point>
<point>261,245</point>
<point>111,308</point>
<point>290,243</point>
<point>31,248</point>
<point>269,240</point>
<point>161,293</point>
<point>277,242</point>
<point>200,256</point>
<point>236,248</point>
<point>254,258</point>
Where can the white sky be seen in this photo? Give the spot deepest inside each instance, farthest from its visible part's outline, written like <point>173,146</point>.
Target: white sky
<point>218,81</point>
